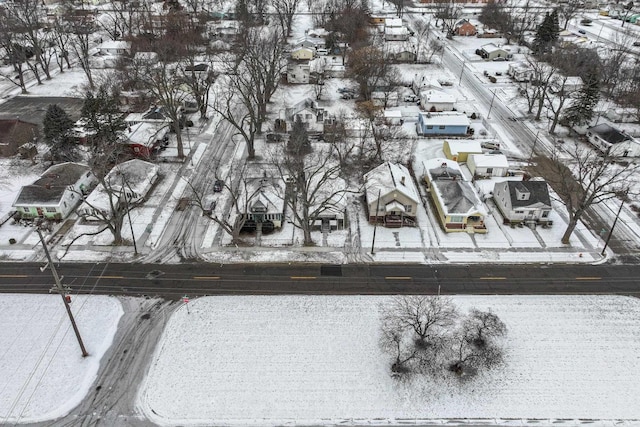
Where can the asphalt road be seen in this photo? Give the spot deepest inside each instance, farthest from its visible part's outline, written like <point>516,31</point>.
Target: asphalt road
<point>172,281</point>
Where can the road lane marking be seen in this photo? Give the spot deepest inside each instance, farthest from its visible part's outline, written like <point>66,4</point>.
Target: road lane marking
<point>110,277</point>
<point>398,277</point>
<point>13,275</point>
<point>303,277</point>
<point>589,278</point>
<point>493,278</point>
<point>206,277</point>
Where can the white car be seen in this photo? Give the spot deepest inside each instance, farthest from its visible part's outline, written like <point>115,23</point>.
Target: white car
<point>490,145</point>
<point>411,98</point>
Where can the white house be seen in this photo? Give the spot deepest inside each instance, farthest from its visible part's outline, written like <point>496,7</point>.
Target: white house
<point>261,200</point>
<point>298,72</point>
<point>126,184</point>
<point>446,123</point>
<point>385,99</point>
<point>115,48</point>
<point>303,53</point>
<point>457,203</point>
<point>56,193</point>
<point>424,81</point>
<point>435,100</point>
<point>309,113</point>
<point>492,51</point>
<point>520,71</point>
<point>488,165</point>
<point>396,33</point>
<point>610,140</point>
<point>391,195</point>
<point>523,201</point>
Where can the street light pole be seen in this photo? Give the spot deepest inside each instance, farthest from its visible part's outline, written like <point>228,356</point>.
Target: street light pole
<point>61,290</point>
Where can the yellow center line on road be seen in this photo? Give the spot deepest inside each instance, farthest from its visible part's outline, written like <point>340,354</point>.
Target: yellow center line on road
<point>303,277</point>
<point>493,278</point>
<point>398,277</point>
<point>110,277</point>
<point>589,278</point>
<point>206,277</point>
<point>13,275</point>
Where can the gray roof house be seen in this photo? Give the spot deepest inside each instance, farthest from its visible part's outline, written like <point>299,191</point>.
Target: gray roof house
<point>391,195</point>
<point>612,141</point>
<point>523,201</point>
<point>56,193</point>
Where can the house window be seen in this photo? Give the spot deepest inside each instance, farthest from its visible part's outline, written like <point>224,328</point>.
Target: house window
<point>456,218</point>
<point>65,204</point>
<point>25,209</point>
<point>407,208</point>
<point>73,196</point>
<point>440,127</point>
<point>51,209</point>
<point>545,214</point>
<point>429,126</point>
<point>519,212</point>
<point>88,173</point>
<point>489,170</point>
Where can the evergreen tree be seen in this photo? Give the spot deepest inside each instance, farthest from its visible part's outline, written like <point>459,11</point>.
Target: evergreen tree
<point>104,123</point>
<point>299,143</point>
<point>581,111</point>
<point>57,134</point>
<point>547,34</point>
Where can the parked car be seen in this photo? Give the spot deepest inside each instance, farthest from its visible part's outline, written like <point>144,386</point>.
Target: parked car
<point>490,145</point>
<point>499,59</point>
<point>411,98</point>
<point>344,90</point>
<point>582,31</point>
<point>348,95</point>
<point>636,43</point>
<point>218,185</point>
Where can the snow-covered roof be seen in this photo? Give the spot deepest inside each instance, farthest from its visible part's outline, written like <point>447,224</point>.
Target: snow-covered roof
<point>135,176</point>
<point>146,134</point>
<point>490,160</point>
<point>491,47</point>
<point>387,178</point>
<point>392,114</point>
<point>50,187</point>
<point>115,44</point>
<point>457,146</point>
<point>438,97</point>
<point>445,118</point>
<point>262,191</point>
<point>457,196</point>
<point>396,31</point>
<point>393,22</point>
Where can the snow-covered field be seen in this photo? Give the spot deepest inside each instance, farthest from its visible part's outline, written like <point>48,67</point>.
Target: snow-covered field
<point>316,360</point>
<point>42,372</point>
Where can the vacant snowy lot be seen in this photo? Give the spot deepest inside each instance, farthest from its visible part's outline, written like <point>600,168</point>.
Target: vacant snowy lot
<point>316,360</point>
<point>42,372</point>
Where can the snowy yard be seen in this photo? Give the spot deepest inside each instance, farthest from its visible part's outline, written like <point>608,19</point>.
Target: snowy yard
<point>315,360</point>
<point>43,373</point>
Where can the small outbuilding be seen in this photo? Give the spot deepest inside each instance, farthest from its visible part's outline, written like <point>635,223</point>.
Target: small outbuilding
<point>488,165</point>
<point>459,150</point>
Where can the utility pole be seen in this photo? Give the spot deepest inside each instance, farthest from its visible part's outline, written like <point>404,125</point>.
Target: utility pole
<point>464,62</point>
<point>533,150</point>
<point>126,201</point>
<point>491,105</point>
<point>615,221</point>
<point>375,225</point>
<point>61,290</point>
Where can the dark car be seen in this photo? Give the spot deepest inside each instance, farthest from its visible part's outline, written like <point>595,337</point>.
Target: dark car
<point>274,137</point>
<point>582,31</point>
<point>218,185</point>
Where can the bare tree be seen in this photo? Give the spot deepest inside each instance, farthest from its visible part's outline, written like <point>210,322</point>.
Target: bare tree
<point>426,317</point>
<point>317,186</point>
<point>466,358</point>
<point>160,81</point>
<point>483,326</point>
<point>16,53</point>
<point>285,10</point>
<point>28,17</point>
<point>585,179</point>
<point>235,101</point>
<point>568,10</point>
<point>535,90</point>
<point>421,37</point>
<point>435,47</point>
<point>405,353</point>
<point>369,68</point>
<point>199,81</point>
<point>556,98</point>
<point>79,29</point>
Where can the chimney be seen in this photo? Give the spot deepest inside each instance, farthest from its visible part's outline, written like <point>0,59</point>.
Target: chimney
<point>402,180</point>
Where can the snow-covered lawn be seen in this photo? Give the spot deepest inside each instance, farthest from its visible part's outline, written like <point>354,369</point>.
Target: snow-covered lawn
<point>43,375</point>
<point>316,360</point>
